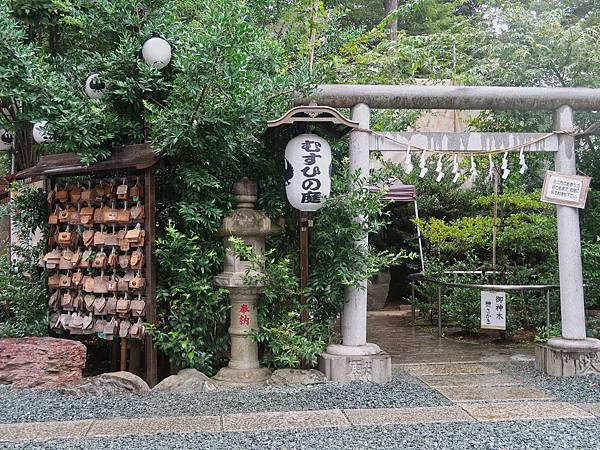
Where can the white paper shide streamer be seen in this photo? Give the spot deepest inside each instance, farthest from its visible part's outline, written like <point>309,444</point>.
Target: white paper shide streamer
<point>522,162</point>
<point>473,170</point>
<point>504,167</point>
<point>455,170</point>
<point>423,164</point>
<point>439,169</point>
<point>408,164</point>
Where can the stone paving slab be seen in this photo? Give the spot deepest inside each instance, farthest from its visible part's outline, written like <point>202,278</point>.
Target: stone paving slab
<point>155,425</point>
<point>491,379</point>
<point>389,416</point>
<point>492,393</point>
<point>493,412</point>
<point>593,408</point>
<point>447,369</point>
<point>39,431</point>
<point>284,420</point>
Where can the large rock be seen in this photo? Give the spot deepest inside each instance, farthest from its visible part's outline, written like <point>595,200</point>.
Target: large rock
<point>40,362</point>
<point>107,384</point>
<point>290,377</point>
<point>187,381</point>
<point>378,287</point>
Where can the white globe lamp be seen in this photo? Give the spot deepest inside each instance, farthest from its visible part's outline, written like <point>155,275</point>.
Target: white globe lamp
<point>40,135</point>
<point>156,52</point>
<point>94,87</point>
<point>6,140</point>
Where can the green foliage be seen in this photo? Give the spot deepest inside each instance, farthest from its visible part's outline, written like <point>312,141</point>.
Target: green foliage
<point>23,296</point>
<point>526,254</point>
<point>285,340</point>
<point>544,332</point>
<point>591,270</point>
<point>192,313</point>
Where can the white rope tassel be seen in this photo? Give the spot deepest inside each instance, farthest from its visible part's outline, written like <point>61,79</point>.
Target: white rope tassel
<point>455,170</point>
<point>505,169</point>
<point>522,161</point>
<point>473,170</point>
<point>439,169</point>
<point>490,176</point>
<point>408,164</point>
<point>423,165</point>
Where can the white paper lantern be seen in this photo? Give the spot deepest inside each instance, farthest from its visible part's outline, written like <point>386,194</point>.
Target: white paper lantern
<point>156,52</point>
<point>307,172</point>
<point>39,133</point>
<point>6,140</point>
<point>94,86</point>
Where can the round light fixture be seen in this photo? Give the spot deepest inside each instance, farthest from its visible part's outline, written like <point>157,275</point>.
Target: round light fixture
<point>94,86</point>
<point>156,52</point>
<point>40,135</point>
<point>6,139</point>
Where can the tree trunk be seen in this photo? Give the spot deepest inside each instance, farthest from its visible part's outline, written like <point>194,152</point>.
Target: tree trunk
<point>391,6</point>
<point>25,155</point>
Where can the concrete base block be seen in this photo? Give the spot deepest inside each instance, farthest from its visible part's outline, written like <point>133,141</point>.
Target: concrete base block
<point>373,368</point>
<point>569,362</point>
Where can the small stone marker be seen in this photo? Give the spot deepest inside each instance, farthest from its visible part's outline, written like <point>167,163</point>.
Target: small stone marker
<point>566,190</point>
<point>493,310</point>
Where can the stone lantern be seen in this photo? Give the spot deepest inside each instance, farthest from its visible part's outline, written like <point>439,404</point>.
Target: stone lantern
<point>238,277</point>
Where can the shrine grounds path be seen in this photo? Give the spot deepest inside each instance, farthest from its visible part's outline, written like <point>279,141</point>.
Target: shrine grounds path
<point>444,394</point>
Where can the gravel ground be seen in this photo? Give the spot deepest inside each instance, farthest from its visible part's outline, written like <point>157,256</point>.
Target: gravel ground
<point>567,434</point>
<point>573,389</point>
<point>31,406</point>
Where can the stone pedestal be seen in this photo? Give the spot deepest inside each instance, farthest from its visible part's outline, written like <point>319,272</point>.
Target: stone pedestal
<point>564,358</point>
<point>243,368</point>
<point>356,363</point>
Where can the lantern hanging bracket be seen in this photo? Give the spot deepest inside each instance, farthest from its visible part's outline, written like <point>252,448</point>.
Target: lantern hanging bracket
<point>328,119</point>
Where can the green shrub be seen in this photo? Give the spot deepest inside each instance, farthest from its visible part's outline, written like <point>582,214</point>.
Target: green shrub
<point>23,294</point>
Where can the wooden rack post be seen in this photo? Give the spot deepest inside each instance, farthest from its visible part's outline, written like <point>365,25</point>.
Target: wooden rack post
<point>150,226</point>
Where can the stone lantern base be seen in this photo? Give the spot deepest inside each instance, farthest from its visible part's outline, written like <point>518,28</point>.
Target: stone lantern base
<point>242,377</point>
<point>564,358</point>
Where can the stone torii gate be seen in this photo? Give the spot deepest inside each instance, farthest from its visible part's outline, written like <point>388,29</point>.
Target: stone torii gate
<point>571,354</point>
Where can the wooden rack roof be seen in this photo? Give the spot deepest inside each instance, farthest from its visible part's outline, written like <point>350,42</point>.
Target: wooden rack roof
<point>137,157</point>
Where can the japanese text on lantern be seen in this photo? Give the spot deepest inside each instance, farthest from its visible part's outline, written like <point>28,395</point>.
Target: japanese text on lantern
<point>311,185</point>
<point>244,317</point>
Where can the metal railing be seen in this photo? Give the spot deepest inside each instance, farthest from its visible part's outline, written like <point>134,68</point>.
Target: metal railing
<point>442,285</point>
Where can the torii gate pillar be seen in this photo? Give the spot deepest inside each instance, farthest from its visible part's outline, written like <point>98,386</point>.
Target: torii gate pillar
<point>356,359</point>
<point>573,353</point>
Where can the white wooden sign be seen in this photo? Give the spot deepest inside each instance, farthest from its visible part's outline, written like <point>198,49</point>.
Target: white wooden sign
<point>566,190</point>
<point>493,310</point>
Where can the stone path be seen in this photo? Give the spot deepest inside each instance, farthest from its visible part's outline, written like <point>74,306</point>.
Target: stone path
<point>297,420</point>
<point>409,345</point>
<point>480,394</point>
